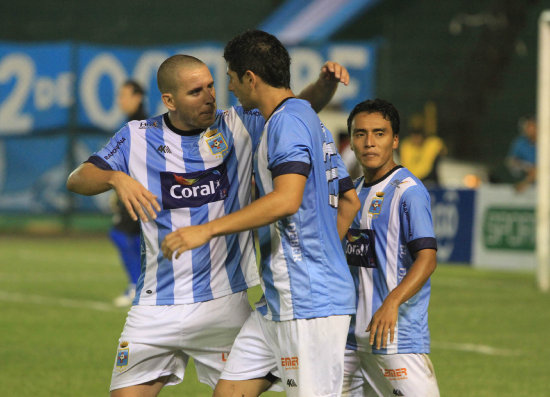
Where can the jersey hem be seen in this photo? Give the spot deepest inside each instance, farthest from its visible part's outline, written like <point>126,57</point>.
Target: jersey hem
<point>205,298</point>
<point>307,315</point>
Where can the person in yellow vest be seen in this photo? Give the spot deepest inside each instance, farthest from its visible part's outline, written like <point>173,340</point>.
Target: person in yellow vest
<point>420,153</point>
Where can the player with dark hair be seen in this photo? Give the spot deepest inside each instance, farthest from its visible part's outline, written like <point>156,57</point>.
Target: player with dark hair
<point>186,167</point>
<point>306,204</point>
<point>391,251</point>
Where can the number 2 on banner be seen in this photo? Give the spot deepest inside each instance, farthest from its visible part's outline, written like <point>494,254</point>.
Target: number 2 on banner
<point>12,118</point>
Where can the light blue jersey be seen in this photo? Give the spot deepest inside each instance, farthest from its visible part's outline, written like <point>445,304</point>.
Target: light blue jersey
<point>394,222</point>
<point>303,268</point>
<point>196,177</point>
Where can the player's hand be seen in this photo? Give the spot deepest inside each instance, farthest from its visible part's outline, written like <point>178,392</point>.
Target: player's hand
<point>334,72</point>
<point>137,200</point>
<point>185,239</point>
<point>382,324</point>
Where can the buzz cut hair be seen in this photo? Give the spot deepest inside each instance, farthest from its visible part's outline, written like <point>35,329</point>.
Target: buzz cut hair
<point>167,81</point>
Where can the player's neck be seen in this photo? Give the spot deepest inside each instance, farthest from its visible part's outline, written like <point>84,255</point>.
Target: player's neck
<point>376,174</point>
<point>271,98</point>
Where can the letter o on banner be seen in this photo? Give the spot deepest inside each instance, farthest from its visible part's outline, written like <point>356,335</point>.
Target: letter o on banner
<point>102,65</point>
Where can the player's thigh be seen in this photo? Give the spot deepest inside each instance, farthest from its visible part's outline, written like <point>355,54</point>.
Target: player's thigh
<point>149,389</point>
<point>241,388</point>
<point>310,354</point>
<point>401,374</point>
<point>149,366</point>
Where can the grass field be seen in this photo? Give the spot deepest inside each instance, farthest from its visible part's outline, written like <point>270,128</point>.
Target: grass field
<point>59,331</point>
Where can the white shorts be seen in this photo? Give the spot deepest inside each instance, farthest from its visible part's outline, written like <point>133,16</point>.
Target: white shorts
<point>307,354</point>
<point>368,374</point>
<point>158,340</point>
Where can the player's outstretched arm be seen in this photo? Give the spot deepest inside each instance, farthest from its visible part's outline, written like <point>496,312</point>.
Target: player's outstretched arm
<point>384,320</point>
<point>348,205</point>
<point>90,180</point>
<point>284,200</point>
<point>321,91</point>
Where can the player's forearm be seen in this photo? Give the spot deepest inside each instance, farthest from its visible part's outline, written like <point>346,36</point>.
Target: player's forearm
<point>416,277</point>
<point>348,205</point>
<point>263,211</point>
<point>319,93</point>
<point>89,180</point>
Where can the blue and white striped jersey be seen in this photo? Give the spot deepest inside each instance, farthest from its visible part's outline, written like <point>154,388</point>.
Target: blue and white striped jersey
<point>395,221</point>
<point>197,178</point>
<point>303,267</point>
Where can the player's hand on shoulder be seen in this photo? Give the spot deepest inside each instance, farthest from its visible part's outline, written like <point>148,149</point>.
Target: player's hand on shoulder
<point>185,239</point>
<point>334,72</point>
<point>139,201</point>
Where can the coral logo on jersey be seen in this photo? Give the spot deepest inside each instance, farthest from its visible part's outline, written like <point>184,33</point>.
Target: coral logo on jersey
<point>194,189</point>
<point>217,143</point>
<point>289,362</point>
<point>360,248</point>
<point>122,357</point>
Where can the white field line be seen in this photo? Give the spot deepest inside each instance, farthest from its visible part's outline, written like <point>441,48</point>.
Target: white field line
<point>63,302</point>
<point>474,348</point>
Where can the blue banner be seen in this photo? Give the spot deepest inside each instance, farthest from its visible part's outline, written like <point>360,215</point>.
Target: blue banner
<point>453,217</point>
<point>36,87</point>
<point>37,81</point>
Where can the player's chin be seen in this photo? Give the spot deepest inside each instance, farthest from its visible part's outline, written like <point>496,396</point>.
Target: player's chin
<point>206,120</point>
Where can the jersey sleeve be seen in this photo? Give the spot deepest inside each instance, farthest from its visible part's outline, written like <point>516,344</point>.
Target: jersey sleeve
<point>115,154</point>
<point>416,219</point>
<point>289,146</point>
<point>345,182</point>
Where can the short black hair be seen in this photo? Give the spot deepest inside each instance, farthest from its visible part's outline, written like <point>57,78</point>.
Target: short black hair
<point>385,108</point>
<point>261,53</point>
<point>135,86</point>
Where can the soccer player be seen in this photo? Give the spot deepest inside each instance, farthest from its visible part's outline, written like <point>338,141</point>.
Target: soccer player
<point>391,251</point>
<point>298,331</point>
<point>188,166</point>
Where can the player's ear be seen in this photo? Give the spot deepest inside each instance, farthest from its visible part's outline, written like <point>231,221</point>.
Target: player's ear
<point>250,77</point>
<point>395,141</point>
<point>168,101</point>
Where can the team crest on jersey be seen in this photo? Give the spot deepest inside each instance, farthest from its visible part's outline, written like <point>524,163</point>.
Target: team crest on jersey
<point>376,206</point>
<point>194,189</point>
<point>122,356</point>
<point>216,143</point>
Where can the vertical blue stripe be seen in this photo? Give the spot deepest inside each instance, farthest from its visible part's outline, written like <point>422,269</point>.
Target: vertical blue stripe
<point>231,204</point>
<point>200,257</point>
<point>143,261</point>
<point>379,274</point>
<point>155,163</point>
<point>352,340</point>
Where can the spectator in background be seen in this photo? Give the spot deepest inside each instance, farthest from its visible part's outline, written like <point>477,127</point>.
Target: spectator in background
<point>421,152</point>
<point>125,231</point>
<point>522,156</point>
